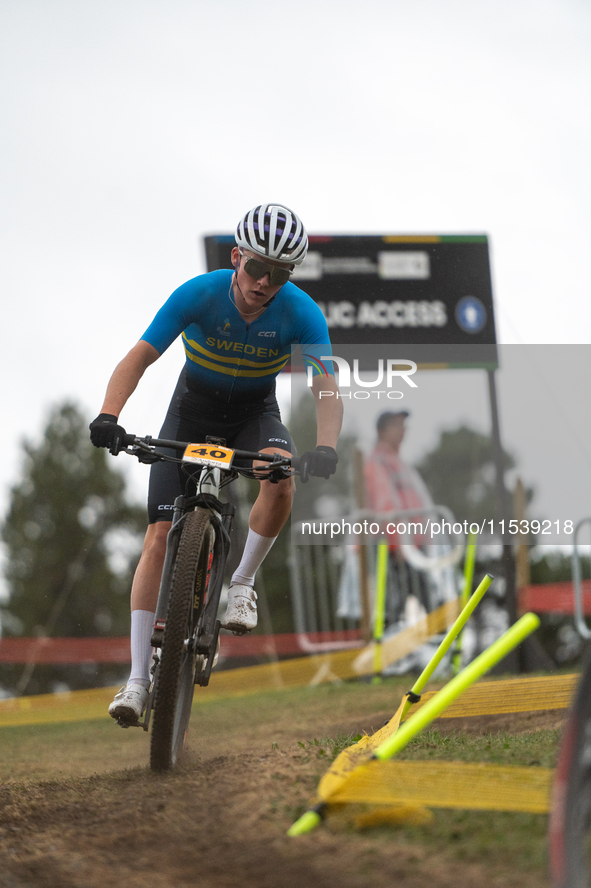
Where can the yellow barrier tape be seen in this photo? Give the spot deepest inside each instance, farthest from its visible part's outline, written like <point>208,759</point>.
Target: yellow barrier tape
<point>474,787</point>
<point>92,704</point>
<point>396,740</point>
<point>407,641</point>
<point>353,756</point>
<point>513,695</point>
<point>50,708</point>
<point>297,672</point>
<point>510,695</point>
<point>486,698</point>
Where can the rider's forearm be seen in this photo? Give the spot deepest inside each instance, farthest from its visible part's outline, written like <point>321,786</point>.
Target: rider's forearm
<point>329,411</point>
<point>126,376</point>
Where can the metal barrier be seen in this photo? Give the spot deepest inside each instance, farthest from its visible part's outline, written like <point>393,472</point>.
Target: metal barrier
<point>315,573</point>
<point>323,577</point>
<point>412,554</point>
<point>580,622</point>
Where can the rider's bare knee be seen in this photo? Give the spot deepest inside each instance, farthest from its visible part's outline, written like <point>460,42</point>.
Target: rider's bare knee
<point>283,491</point>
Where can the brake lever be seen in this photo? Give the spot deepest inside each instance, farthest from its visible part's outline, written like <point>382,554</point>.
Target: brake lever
<point>142,452</point>
<point>148,457</point>
<point>280,473</point>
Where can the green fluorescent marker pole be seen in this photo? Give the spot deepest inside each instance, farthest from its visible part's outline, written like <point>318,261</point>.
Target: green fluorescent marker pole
<point>434,707</point>
<point>307,822</point>
<point>468,580</point>
<point>380,609</point>
<point>468,609</point>
<point>469,568</point>
<point>477,668</point>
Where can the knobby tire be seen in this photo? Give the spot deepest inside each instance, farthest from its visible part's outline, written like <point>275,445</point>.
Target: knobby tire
<point>570,816</point>
<point>176,672</point>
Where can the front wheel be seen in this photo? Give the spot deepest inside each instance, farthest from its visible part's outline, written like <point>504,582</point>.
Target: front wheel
<point>176,672</point>
<point>570,816</point>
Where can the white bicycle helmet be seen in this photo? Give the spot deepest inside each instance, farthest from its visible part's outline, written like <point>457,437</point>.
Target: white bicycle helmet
<point>275,232</point>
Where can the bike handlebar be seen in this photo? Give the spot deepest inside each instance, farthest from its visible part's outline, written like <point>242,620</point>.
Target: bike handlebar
<point>149,442</point>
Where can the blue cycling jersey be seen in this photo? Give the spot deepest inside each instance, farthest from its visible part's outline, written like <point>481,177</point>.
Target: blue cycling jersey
<point>226,357</point>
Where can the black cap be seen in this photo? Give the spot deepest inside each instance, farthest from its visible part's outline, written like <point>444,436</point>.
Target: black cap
<point>385,418</point>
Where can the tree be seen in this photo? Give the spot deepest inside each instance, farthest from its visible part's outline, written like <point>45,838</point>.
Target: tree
<point>460,474</point>
<point>67,519</point>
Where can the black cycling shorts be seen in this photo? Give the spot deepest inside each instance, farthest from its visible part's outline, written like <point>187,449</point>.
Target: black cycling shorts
<point>191,417</point>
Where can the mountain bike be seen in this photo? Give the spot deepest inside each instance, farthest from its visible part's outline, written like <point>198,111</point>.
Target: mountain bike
<point>186,626</point>
<point>570,815</point>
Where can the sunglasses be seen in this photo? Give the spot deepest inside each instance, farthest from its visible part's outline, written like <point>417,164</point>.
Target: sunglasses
<point>257,270</point>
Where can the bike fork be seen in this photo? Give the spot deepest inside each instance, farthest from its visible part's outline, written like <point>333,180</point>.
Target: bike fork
<point>172,543</point>
<point>207,640</point>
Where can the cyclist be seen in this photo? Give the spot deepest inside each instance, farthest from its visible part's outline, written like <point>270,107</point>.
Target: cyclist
<point>237,328</point>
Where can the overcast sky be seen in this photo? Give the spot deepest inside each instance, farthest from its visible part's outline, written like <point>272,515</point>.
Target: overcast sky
<point>131,129</point>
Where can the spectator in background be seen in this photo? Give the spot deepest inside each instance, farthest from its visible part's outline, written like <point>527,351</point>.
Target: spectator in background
<point>391,485</point>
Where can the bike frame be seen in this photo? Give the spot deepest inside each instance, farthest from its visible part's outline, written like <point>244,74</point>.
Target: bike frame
<point>222,514</point>
<point>208,481</point>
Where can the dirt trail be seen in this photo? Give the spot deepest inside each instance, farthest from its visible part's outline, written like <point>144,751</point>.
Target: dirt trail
<point>219,820</point>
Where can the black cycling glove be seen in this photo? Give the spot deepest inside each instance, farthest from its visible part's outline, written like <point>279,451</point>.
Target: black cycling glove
<point>320,463</point>
<point>106,432</point>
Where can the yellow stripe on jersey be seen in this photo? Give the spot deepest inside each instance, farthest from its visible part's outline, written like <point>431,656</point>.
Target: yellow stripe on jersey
<point>234,371</point>
<point>275,364</point>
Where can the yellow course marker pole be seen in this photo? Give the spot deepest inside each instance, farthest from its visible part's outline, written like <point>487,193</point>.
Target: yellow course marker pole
<point>434,707</point>
<point>454,631</point>
<point>380,609</point>
<point>475,670</point>
<point>467,589</point>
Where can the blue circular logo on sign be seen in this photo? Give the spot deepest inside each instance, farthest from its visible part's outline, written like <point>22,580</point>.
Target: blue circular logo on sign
<point>470,314</point>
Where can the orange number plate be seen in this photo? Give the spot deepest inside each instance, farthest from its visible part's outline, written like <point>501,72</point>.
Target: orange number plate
<point>209,455</point>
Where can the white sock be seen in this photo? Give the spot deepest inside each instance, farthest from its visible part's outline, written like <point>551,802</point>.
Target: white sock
<point>142,625</point>
<point>255,551</point>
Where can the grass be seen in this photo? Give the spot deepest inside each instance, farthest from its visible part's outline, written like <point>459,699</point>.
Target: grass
<point>496,839</point>
<point>329,747</point>
<point>517,841</point>
<point>536,749</point>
